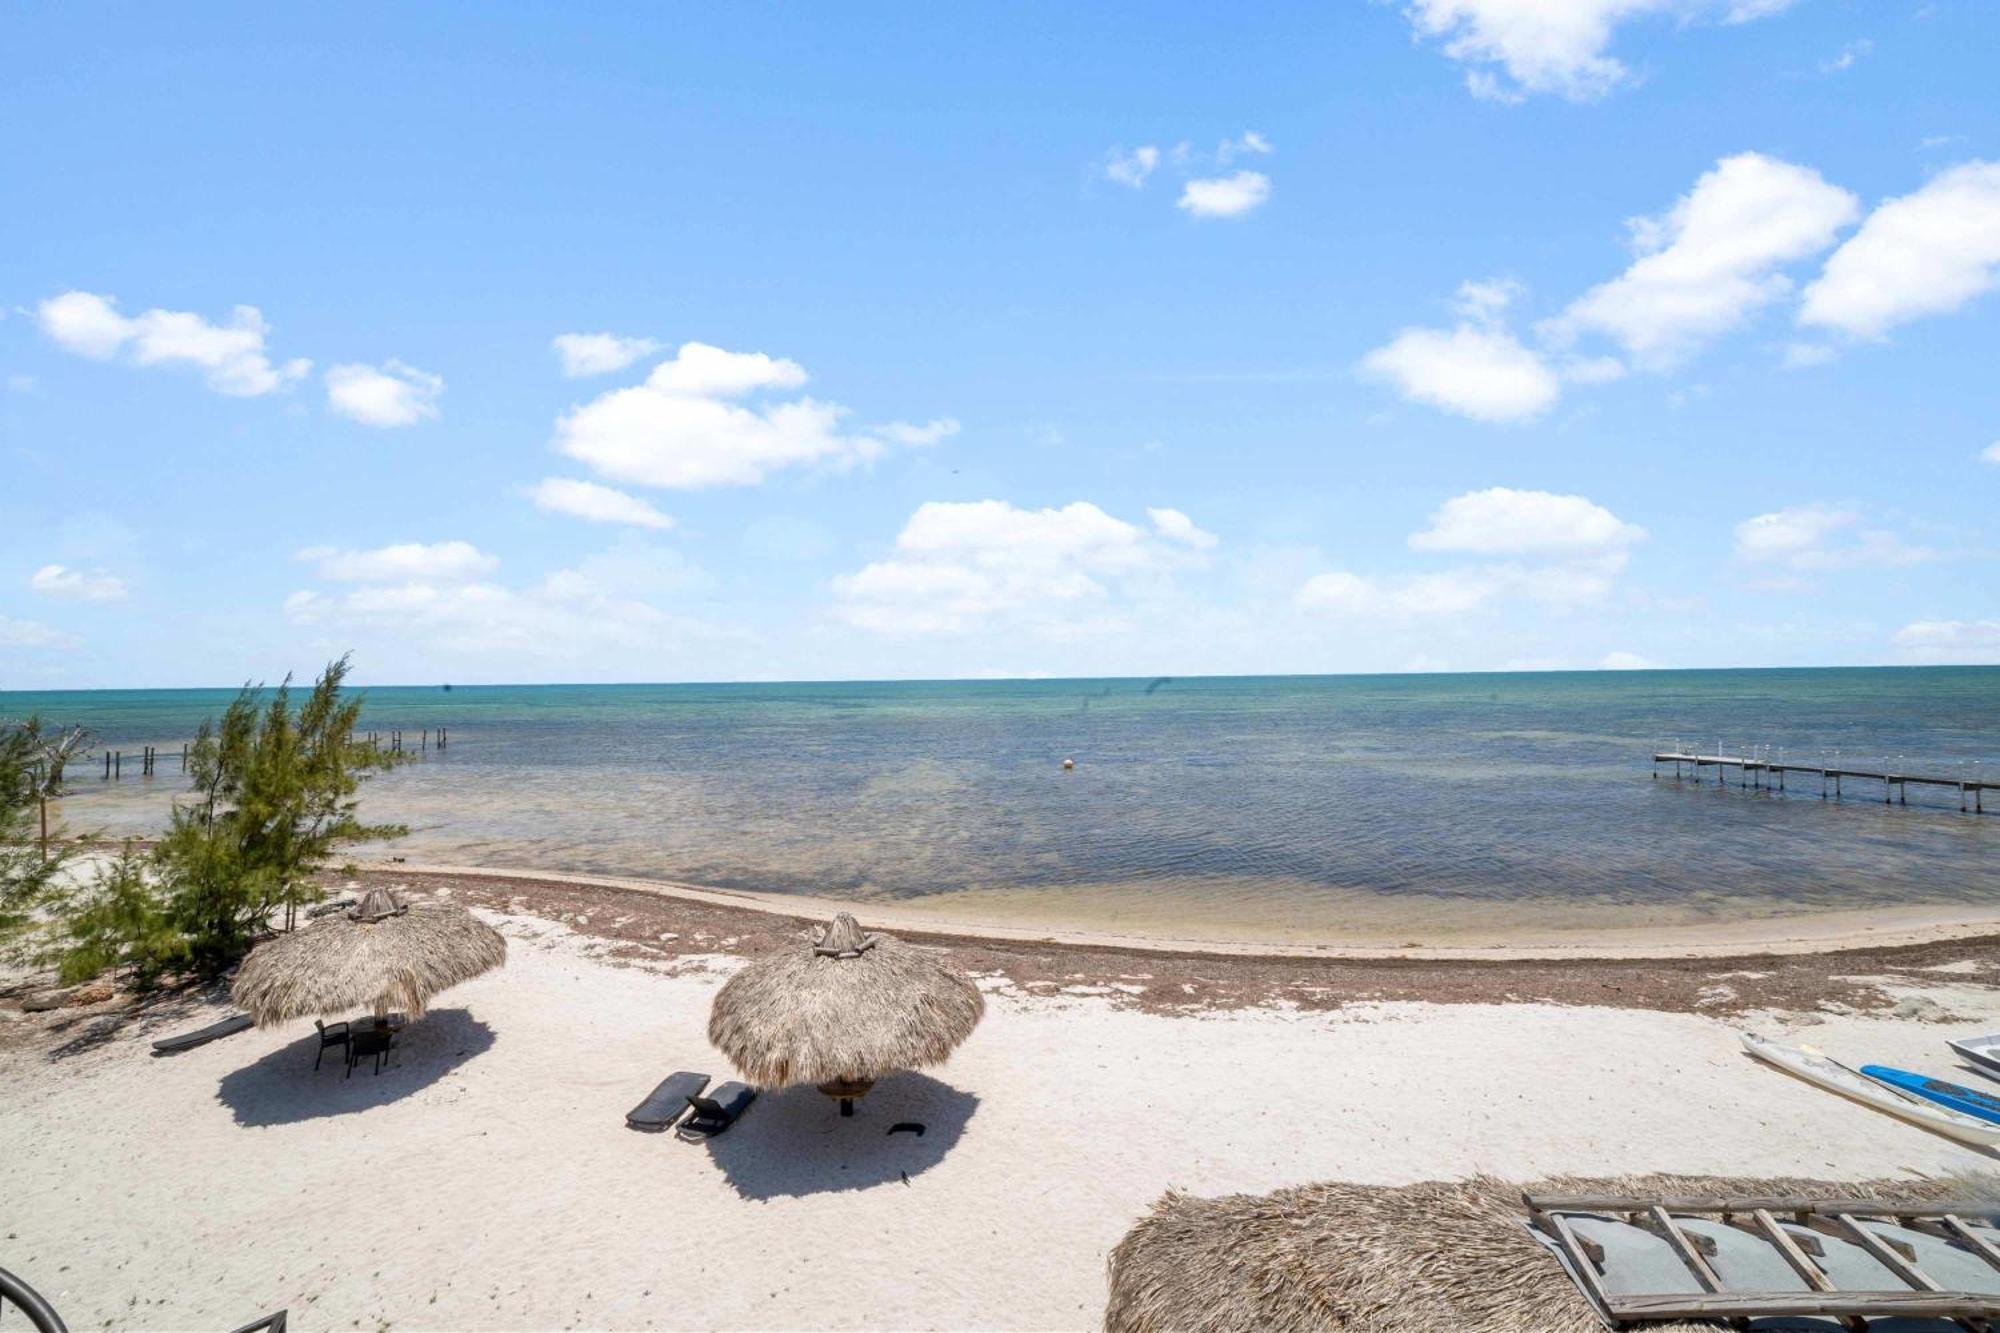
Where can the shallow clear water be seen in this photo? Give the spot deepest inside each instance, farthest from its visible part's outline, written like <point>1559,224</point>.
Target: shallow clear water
<point>1295,804</point>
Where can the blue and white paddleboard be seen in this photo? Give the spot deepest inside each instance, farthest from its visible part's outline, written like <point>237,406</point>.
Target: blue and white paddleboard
<point>1966,1101</point>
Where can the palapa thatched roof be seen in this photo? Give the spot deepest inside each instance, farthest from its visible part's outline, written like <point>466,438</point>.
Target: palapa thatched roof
<point>846,1007</point>
<point>1441,1255</point>
<point>381,951</point>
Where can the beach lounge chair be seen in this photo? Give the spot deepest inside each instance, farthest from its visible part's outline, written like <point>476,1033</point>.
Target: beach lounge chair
<point>667,1103</point>
<point>187,1041</point>
<point>337,1035</point>
<point>377,1042</point>
<point>714,1115</point>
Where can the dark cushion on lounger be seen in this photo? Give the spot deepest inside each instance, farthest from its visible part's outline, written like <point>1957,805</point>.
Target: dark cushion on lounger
<point>187,1041</point>
<point>668,1102</point>
<point>713,1115</point>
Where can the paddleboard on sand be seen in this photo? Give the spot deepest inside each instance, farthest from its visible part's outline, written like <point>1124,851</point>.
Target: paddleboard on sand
<point>1967,1101</point>
<point>1826,1072</point>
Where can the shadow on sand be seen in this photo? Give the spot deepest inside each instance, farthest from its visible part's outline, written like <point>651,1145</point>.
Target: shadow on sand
<point>795,1141</point>
<point>283,1088</point>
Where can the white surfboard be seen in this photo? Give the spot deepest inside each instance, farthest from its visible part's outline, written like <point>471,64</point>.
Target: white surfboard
<point>1828,1073</point>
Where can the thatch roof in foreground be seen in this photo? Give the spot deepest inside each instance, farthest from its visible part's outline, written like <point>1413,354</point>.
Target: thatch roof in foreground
<point>1441,1255</point>
<point>846,1007</point>
<point>382,953</point>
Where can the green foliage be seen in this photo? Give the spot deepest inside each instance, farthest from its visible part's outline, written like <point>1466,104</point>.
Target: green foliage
<point>275,788</point>
<point>277,798</point>
<point>28,876</point>
<point>119,920</point>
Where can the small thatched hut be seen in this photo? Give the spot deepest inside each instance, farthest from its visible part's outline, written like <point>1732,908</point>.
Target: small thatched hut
<point>1389,1259</point>
<point>842,1012</point>
<point>382,953</point>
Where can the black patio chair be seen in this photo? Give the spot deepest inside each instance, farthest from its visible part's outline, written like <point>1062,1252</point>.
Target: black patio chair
<point>337,1035</point>
<point>377,1042</point>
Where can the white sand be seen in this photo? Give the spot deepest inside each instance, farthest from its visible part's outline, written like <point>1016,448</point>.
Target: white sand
<point>488,1182</point>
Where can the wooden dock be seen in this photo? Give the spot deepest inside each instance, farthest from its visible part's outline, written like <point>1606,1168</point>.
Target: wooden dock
<point>1765,773</point>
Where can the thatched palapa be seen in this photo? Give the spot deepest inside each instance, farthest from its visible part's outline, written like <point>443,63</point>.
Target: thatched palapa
<point>382,953</point>
<point>1392,1259</point>
<point>842,1012</point>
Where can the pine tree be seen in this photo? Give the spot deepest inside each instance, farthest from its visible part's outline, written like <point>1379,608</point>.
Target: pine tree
<point>277,790</point>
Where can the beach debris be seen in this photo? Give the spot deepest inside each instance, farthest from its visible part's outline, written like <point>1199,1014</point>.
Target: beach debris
<point>1922,1008</point>
<point>907,1126</point>
<point>842,1012</point>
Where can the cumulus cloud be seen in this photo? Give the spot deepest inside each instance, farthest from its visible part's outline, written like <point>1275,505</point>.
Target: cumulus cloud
<point>1231,196</point>
<point>1477,369</point>
<point>1132,169</point>
<point>1562,550</point>
<point>596,504</point>
<point>1713,259</point>
<point>1819,538</point>
<point>1176,526</point>
<point>231,355</point>
<point>981,565</point>
<point>1482,373</point>
<point>1926,253</point>
<point>583,354</point>
<point>1501,521</point>
<point>685,429</point>
<point>1520,47</point>
<point>1957,642</point>
<point>76,584</point>
<point>1991,453</point>
<point>448,561</point>
<point>393,394</point>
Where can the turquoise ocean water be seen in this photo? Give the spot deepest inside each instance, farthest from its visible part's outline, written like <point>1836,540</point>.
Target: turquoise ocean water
<point>1292,807</point>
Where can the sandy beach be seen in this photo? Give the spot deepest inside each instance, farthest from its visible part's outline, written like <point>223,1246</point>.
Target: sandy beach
<point>487,1180</point>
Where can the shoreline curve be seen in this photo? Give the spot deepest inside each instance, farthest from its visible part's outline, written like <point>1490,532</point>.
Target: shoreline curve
<point>1801,934</point>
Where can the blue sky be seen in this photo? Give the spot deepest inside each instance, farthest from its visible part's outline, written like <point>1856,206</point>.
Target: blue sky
<point>1449,334</point>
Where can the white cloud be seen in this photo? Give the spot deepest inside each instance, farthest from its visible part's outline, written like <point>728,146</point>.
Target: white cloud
<point>595,503</point>
<point>1626,661</point>
<point>1176,526</point>
<point>1925,253</point>
<point>450,561</point>
<point>1225,196</point>
<point>581,616</point>
<point>1961,642</point>
<point>32,634</point>
<point>1562,550</point>
<point>987,564</point>
<point>1712,259</point>
<point>585,354</point>
<point>1551,46</point>
<point>1502,521</point>
<point>393,395</point>
<point>1132,169</point>
<point>1476,371</point>
<point>1991,453</point>
<point>903,432</point>
<point>62,581</point>
<point>1819,538</point>
<point>231,356</point>
<point>1849,54</point>
<point>680,430</point>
